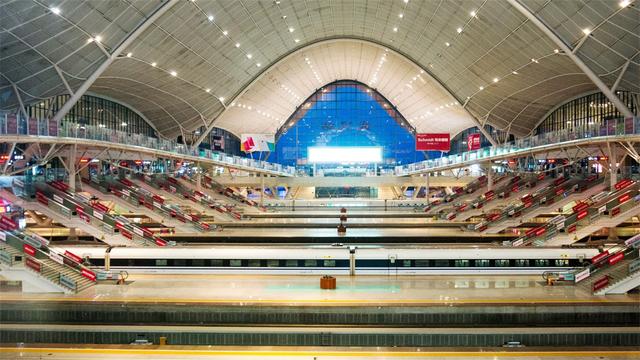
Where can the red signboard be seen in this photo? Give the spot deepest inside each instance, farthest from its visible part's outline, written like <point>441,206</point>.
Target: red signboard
<point>623,184</point>
<point>160,242</point>
<point>615,211</point>
<point>126,234</point>
<point>559,191</point>
<point>126,182</point>
<point>73,257</point>
<point>473,142</point>
<point>600,283</point>
<point>599,257</point>
<point>580,206</point>
<point>558,181</point>
<point>462,207</point>
<point>34,264</point>
<point>572,228</point>
<point>624,198</point>
<point>541,176</point>
<point>541,231</point>
<point>489,195</point>
<point>582,214</point>
<point>28,249</point>
<point>615,258</point>
<point>437,142</point>
<point>7,224</point>
<point>88,274</point>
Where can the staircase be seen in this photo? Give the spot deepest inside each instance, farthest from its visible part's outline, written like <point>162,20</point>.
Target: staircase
<point>614,272</point>
<point>52,270</point>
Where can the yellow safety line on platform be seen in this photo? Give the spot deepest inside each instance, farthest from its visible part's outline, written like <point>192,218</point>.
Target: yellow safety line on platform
<point>321,301</point>
<point>320,352</point>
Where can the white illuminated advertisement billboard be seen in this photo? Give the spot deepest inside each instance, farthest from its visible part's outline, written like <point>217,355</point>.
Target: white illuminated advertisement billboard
<point>344,154</point>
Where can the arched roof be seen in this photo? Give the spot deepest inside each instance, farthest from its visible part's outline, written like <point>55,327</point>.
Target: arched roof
<point>486,54</point>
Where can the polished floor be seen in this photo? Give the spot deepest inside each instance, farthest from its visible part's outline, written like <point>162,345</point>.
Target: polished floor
<point>360,290</point>
<point>325,353</point>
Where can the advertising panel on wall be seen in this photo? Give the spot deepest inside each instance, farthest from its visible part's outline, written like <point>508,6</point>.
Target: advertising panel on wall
<point>473,142</point>
<point>257,142</point>
<point>218,143</point>
<point>435,142</point>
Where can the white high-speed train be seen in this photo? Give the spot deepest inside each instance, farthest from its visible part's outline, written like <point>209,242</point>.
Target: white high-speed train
<point>335,260</point>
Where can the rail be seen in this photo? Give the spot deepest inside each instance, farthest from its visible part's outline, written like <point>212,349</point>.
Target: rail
<point>612,127</point>
<point>10,125</point>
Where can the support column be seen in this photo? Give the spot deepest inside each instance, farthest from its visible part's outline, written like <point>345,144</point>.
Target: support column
<point>71,167</point>
<point>613,168</point>
<point>489,172</point>
<point>199,178</point>
<point>262,190</point>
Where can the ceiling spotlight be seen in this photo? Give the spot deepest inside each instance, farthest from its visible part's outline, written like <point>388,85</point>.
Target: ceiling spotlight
<point>401,15</point>
<point>173,73</point>
<point>208,90</point>
<point>98,38</point>
<point>514,72</point>
<point>90,40</point>
<point>623,3</point>
<point>447,44</point>
<point>586,31</point>
<point>395,29</point>
<point>237,45</point>
<point>495,80</point>
<point>221,99</point>
<point>154,64</point>
<point>249,56</point>
<point>225,33</point>
<point>481,87</point>
<point>291,29</point>
<point>129,54</point>
<point>258,64</point>
<point>556,51</point>
<point>210,17</point>
<point>55,10</point>
<point>459,30</point>
<point>296,40</point>
<point>406,1</point>
<point>473,13</point>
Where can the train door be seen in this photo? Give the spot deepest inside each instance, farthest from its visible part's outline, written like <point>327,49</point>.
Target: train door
<point>392,266</point>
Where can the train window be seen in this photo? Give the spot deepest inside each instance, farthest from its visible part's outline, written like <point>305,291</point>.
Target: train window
<point>562,262</point>
<point>422,263</point>
<point>291,263</point>
<point>405,263</point>
<point>542,262</point>
<point>442,263</point>
<point>462,263</point>
<point>522,263</point>
<point>310,263</point>
<point>236,263</point>
<point>197,262</point>
<point>179,262</point>
<point>329,263</point>
<point>481,263</point>
<point>161,262</point>
<point>503,263</point>
<point>217,262</point>
<point>254,263</point>
<point>273,263</point>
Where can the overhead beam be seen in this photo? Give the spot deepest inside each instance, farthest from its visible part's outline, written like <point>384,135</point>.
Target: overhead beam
<point>23,110</point>
<point>73,99</point>
<point>569,52</point>
<point>619,78</point>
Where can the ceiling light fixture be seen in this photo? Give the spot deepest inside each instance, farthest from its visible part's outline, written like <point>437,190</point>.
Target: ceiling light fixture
<point>395,29</point>
<point>210,17</point>
<point>296,40</point>
<point>173,73</point>
<point>473,13</point>
<point>447,44</point>
<point>208,90</point>
<point>129,54</point>
<point>258,65</point>
<point>514,72</point>
<point>225,33</point>
<point>222,100</point>
<point>459,30</point>
<point>495,80</point>
<point>249,56</point>
<point>406,1</point>
<point>401,15</point>
<point>291,29</point>
<point>556,51</point>
<point>624,3</point>
<point>586,31</point>
<point>98,38</point>
<point>481,87</point>
<point>154,64</point>
<point>55,10</point>
<point>237,45</point>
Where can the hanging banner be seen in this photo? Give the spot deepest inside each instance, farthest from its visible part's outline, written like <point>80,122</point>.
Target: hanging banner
<point>218,143</point>
<point>257,142</point>
<point>473,142</point>
<point>436,142</point>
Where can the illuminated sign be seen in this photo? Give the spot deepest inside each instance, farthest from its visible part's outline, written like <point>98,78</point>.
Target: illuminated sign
<point>342,154</point>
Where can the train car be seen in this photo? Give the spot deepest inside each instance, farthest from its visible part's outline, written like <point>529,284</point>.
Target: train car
<point>337,260</point>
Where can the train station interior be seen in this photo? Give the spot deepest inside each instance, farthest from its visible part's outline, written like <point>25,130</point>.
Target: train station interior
<point>320,179</point>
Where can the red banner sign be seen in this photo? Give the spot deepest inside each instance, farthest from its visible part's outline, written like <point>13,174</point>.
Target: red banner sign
<point>600,283</point>
<point>88,274</point>
<point>437,142</point>
<point>160,242</point>
<point>73,257</point>
<point>126,234</point>
<point>624,198</point>
<point>599,257</point>
<point>29,250</point>
<point>34,264</point>
<point>7,224</point>
<point>615,258</point>
<point>473,142</point>
<point>582,214</point>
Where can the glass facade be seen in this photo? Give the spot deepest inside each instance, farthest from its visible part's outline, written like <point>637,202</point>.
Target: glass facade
<point>223,141</point>
<point>459,142</point>
<point>346,113</point>
<point>587,110</point>
<point>94,111</point>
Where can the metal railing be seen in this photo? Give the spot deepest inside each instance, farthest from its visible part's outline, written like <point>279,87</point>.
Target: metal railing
<point>613,127</point>
<point>11,125</point>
